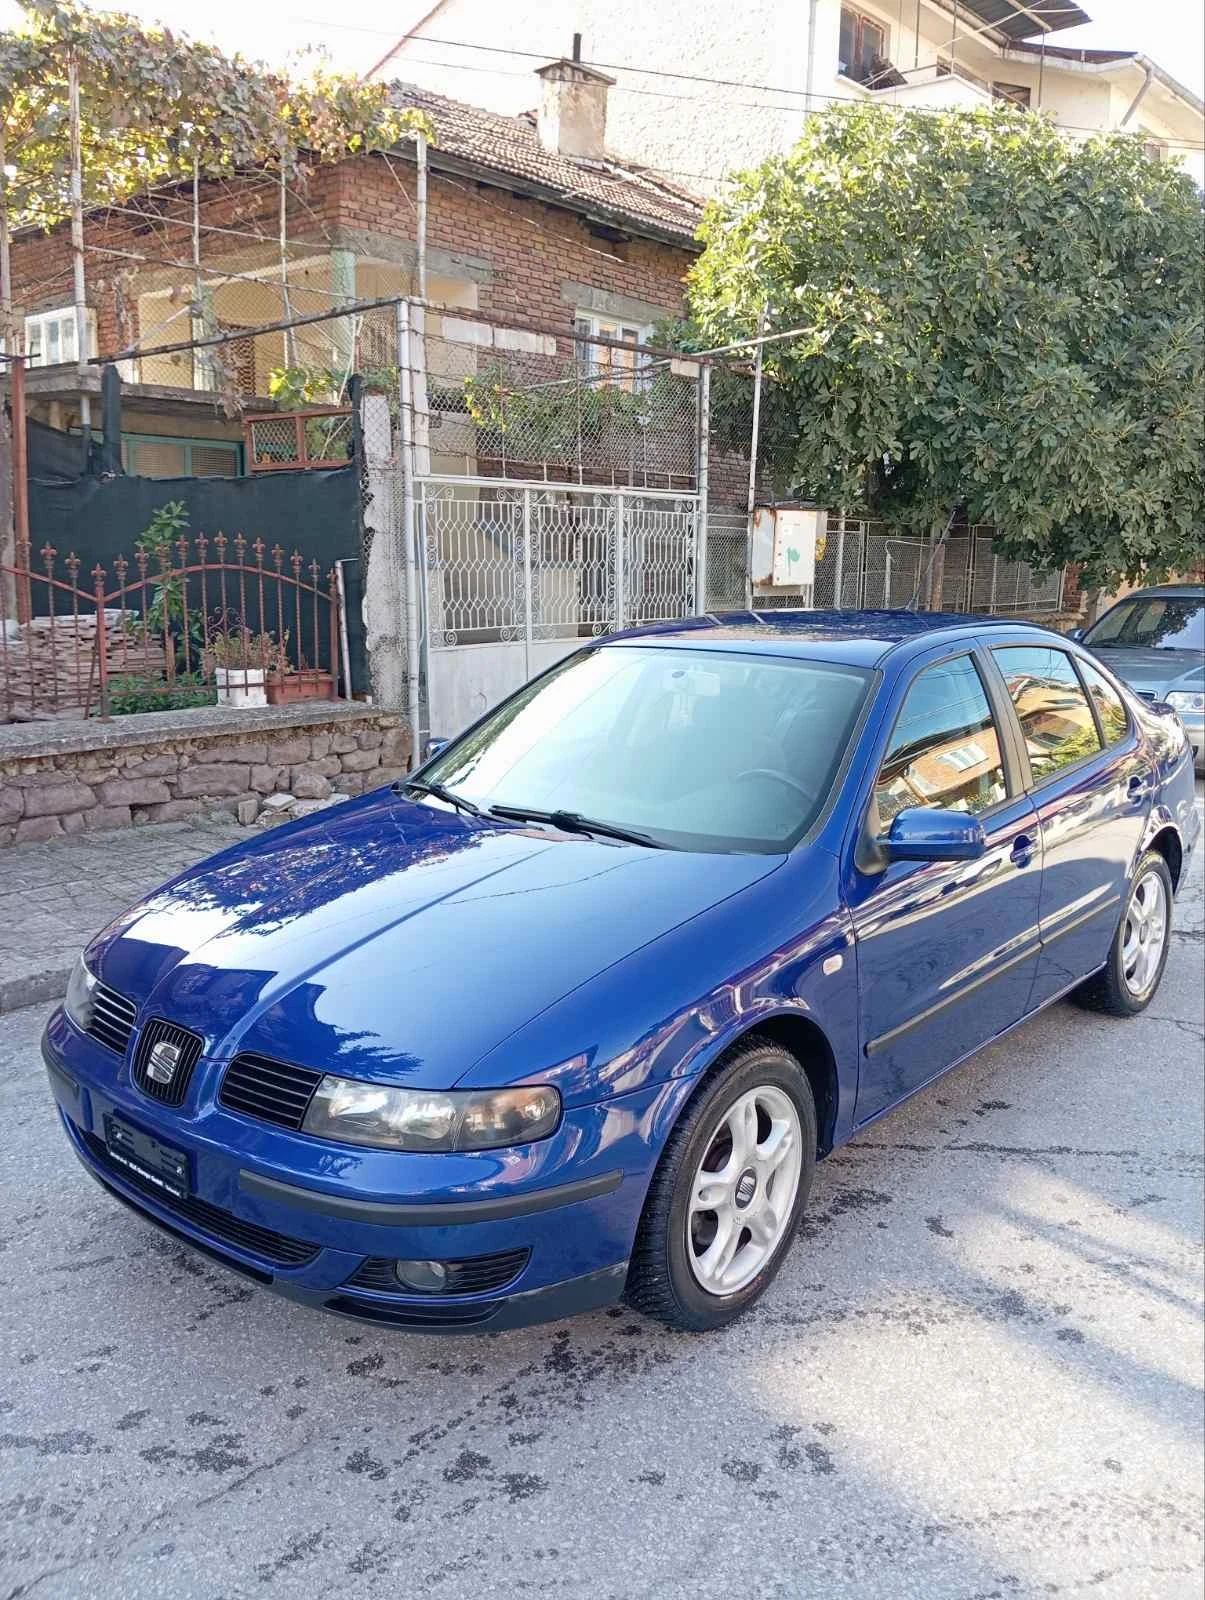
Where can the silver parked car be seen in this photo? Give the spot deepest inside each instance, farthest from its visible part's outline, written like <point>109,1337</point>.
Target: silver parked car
<point>1154,640</point>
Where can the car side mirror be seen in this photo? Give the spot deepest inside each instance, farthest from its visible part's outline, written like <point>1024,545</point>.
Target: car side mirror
<point>924,833</point>
<point>433,747</point>
<point>1076,633</point>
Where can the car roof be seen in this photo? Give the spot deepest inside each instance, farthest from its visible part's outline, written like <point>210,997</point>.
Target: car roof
<point>859,638</point>
<point>1177,591</point>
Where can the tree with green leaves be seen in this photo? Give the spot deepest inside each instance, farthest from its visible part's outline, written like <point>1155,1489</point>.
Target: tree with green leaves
<point>157,107</point>
<point>992,318</point>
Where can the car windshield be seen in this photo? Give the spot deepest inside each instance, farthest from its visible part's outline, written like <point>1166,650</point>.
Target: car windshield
<point>699,750</point>
<point>1160,622</point>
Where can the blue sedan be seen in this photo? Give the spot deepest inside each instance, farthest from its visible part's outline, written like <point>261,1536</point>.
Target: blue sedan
<point>572,1013</point>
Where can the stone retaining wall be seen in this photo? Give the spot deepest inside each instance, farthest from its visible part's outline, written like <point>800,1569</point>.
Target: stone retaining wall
<point>258,765</point>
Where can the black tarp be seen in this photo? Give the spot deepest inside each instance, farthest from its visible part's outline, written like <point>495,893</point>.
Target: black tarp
<point>53,455</point>
<point>316,514</point>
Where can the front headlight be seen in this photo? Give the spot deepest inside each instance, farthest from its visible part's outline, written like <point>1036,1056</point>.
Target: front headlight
<point>423,1119</point>
<point>77,1002</point>
<point>1186,700</point>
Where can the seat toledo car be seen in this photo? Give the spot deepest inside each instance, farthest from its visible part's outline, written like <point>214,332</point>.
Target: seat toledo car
<point>572,1013</point>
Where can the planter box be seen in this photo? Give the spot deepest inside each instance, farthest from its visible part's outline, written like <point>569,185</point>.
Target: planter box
<point>307,685</point>
<point>241,686</point>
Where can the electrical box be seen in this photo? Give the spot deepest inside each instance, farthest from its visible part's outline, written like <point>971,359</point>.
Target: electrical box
<point>785,544</point>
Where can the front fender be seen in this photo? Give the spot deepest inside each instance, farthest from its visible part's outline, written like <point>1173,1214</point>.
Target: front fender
<point>670,1009</point>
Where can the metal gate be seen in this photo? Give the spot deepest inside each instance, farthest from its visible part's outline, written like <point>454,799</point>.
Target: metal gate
<point>514,576</point>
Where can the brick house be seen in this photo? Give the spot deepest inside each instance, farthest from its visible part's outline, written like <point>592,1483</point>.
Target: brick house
<point>528,217</point>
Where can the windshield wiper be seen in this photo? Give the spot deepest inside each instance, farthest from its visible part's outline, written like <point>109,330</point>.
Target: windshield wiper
<point>574,822</point>
<point>420,786</point>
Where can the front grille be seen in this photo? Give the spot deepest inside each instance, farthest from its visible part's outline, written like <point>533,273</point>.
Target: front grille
<point>112,1018</point>
<point>478,1275</point>
<point>265,1243</point>
<point>437,1315</point>
<point>272,1091</point>
<point>188,1046</point>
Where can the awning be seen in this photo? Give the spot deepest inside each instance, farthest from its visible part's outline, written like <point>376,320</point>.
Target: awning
<point>1023,19</point>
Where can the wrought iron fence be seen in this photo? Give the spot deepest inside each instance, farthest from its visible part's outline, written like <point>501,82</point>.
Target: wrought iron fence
<point>194,621</point>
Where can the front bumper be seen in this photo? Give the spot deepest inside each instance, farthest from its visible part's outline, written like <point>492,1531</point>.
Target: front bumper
<point>574,1231</point>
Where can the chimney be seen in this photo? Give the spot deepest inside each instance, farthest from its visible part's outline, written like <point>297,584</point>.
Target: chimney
<point>573,108</point>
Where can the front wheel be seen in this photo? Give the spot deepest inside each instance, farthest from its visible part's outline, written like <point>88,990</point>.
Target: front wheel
<point>727,1196</point>
<point>1126,984</point>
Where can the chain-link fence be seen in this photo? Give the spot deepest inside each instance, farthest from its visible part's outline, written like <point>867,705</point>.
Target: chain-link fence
<point>512,403</point>
<point>863,565</point>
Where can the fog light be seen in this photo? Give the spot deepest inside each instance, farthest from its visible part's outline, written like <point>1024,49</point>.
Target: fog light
<point>423,1277</point>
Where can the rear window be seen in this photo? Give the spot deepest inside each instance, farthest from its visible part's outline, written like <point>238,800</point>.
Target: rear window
<point>1051,705</point>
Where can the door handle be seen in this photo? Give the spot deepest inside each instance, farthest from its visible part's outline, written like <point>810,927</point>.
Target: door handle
<point>1138,785</point>
<point>1022,851</point>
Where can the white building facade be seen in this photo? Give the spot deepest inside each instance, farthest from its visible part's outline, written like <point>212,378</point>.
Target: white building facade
<point>703,90</point>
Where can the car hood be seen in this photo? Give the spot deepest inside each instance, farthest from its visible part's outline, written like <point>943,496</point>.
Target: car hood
<point>1155,672</point>
<point>389,940</point>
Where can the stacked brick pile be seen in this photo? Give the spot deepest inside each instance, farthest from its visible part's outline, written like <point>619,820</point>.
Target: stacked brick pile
<point>48,667</point>
<point>278,770</point>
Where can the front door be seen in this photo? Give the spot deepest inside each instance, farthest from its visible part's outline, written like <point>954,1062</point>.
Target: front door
<point>1091,789</point>
<point>947,951</point>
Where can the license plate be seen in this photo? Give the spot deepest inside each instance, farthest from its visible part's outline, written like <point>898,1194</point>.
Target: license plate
<point>147,1159</point>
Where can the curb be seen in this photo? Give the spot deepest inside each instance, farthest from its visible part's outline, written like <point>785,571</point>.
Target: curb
<point>33,989</point>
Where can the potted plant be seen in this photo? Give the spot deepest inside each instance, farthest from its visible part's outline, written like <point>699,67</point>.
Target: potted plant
<point>301,683</point>
<point>241,662</point>
<point>288,683</point>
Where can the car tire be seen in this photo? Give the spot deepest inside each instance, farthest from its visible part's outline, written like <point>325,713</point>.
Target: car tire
<point>1130,978</point>
<point>751,1130</point>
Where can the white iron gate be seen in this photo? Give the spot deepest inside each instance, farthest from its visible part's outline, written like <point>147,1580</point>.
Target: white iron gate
<point>516,575</point>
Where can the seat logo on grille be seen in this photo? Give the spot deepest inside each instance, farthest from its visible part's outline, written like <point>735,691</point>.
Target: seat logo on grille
<point>162,1062</point>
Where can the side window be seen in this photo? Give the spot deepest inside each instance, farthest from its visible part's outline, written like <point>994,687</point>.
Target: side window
<point>1051,706</point>
<point>1110,708</point>
<point>945,750</point>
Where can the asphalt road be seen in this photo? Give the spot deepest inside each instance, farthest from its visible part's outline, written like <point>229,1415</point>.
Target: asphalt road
<point>978,1375</point>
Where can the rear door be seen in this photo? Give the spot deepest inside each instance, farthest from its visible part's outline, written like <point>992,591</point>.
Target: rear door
<point>947,951</point>
<point>1090,780</point>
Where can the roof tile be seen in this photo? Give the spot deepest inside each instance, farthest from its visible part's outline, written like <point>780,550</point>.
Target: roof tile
<point>615,191</point>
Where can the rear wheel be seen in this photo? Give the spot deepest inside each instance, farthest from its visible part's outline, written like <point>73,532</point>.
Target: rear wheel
<point>729,1191</point>
<point>1128,981</point>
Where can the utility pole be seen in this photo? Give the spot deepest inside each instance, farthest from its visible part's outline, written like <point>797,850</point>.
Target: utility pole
<point>77,238</point>
<point>753,444</point>
<point>410,563</point>
<point>286,303</point>
<point>8,327</point>
<point>420,223</point>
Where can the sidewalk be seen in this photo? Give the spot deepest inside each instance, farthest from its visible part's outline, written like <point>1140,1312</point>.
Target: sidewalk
<point>55,896</point>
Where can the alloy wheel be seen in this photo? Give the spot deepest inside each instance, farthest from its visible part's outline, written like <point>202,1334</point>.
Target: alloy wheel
<point>1144,935</point>
<point>743,1192</point>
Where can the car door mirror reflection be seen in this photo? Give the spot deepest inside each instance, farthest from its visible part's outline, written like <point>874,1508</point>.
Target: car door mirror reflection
<point>924,833</point>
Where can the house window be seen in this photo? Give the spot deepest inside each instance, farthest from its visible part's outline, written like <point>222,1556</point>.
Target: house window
<point>1155,149</point>
<point>863,46</point>
<point>159,456</point>
<point>1016,93</point>
<point>50,336</point>
<point>623,367</point>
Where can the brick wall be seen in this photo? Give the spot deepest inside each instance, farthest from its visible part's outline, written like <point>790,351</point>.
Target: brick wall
<point>531,249</point>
